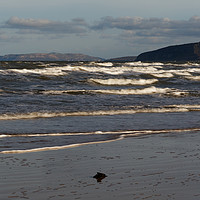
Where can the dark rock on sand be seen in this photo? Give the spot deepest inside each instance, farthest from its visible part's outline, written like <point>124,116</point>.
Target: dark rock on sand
<point>99,176</point>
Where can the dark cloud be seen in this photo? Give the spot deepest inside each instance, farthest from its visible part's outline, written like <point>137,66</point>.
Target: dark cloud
<point>136,26</point>
<point>42,25</point>
<point>129,31</point>
<point>152,27</point>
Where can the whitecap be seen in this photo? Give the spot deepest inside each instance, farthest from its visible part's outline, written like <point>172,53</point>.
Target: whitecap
<point>111,70</point>
<point>164,109</point>
<point>147,91</point>
<point>124,81</point>
<point>143,91</point>
<point>106,64</point>
<point>162,75</point>
<point>193,78</point>
<point>139,63</point>
<point>119,70</point>
<point>48,71</point>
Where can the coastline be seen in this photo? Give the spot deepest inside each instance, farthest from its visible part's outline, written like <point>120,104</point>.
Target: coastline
<point>162,166</point>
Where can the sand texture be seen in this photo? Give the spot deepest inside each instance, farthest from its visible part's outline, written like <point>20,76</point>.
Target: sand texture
<point>160,167</point>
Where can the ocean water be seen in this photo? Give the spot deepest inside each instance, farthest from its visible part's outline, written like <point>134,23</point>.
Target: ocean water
<point>53,105</point>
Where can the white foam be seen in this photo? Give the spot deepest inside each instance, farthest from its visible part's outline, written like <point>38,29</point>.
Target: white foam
<point>156,69</point>
<point>194,78</point>
<point>164,109</point>
<point>124,81</point>
<point>119,132</point>
<point>162,75</point>
<point>144,91</point>
<point>107,64</point>
<point>184,65</point>
<point>46,71</point>
<point>193,70</point>
<point>49,71</point>
<point>187,106</point>
<point>119,70</point>
<point>122,134</point>
<point>58,147</point>
<point>111,70</point>
<point>182,73</point>
<point>139,63</point>
<point>3,136</point>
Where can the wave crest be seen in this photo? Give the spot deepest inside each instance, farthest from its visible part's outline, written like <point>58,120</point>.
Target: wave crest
<point>124,81</point>
<point>132,110</point>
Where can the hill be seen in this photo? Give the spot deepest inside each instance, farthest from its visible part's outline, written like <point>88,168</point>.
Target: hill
<point>123,59</point>
<point>176,53</point>
<point>49,57</point>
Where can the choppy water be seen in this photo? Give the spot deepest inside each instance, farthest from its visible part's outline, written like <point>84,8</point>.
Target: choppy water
<point>45,104</point>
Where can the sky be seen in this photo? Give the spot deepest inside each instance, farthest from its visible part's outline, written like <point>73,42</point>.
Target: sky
<point>106,28</point>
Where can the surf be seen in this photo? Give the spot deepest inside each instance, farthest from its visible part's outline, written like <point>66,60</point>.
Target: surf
<point>120,135</point>
<point>131,110</point>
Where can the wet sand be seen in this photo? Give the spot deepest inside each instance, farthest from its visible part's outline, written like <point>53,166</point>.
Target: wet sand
<point>161,167</point>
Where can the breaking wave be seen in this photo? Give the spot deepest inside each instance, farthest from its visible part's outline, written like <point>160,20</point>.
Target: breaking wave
<point>108,64</point>
<point>138,109</point>
<point>155,69</point>
<point>193,78</point>
<point>48,71</point>
<point>124,81</point>
<point>145,91</point>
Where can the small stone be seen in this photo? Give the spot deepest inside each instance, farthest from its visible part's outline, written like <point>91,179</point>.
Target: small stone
<point>100,176</point>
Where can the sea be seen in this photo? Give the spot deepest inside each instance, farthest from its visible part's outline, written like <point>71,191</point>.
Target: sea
<point>56,105</point>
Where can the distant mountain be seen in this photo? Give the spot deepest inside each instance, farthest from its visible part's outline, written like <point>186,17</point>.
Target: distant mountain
<point>177,53</point>
<point>123,59</point>
<point>49,57</point>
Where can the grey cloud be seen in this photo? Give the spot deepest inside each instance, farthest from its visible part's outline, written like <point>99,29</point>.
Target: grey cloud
<point>8,37</point>
<point>160,27</point>
<point>42,25</point>
<point>130,23</point>
<point>138,26</point>
<point>129,29</point>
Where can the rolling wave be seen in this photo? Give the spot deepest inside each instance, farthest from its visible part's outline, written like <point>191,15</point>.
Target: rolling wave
<point>124,81</point>
<point>164,109</point>
<point>48,71</point>
<point>145,91</point>
<point>119,70</point>
<point>193,78</point>
<point>156,69</point>
<point>107,64</point>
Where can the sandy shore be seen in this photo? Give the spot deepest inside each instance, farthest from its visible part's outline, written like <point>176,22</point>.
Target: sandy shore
<point>165,166</point>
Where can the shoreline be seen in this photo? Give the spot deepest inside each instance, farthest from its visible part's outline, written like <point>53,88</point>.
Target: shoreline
<point>113,136</point>
<point>159,166</point>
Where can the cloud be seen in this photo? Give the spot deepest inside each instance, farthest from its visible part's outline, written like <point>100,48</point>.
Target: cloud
<point>135,26</point>
<point>8,37</point>
<point>132,34</point>
<point>76,26</point>
<point>152,27</point>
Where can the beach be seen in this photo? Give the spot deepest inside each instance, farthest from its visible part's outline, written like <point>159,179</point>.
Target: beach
<point>160,166</point>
